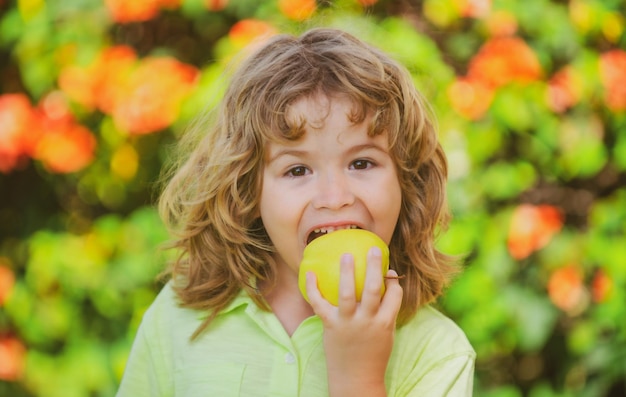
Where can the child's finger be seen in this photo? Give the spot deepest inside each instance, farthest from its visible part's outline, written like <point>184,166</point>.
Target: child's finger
<point>370,299</point>
<point>317,301</point>
<point>347,297</point>
<point>393,295</point>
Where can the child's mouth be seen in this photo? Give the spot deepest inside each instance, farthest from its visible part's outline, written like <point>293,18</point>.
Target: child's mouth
<point>325,230</point>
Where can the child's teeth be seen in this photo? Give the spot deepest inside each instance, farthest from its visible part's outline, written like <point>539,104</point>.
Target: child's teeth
<point>330,229</point>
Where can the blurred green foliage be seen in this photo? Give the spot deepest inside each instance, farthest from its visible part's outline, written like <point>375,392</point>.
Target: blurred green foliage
<point>531,105</point>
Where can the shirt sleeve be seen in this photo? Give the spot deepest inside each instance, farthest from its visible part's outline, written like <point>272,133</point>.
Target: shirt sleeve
<point>451,377</point>
<point>147,372</point>
<point>431,357</point>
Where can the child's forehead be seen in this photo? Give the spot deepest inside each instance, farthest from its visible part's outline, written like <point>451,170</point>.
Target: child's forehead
<point>315,120</point>
<point>314,110</point>
<point>313,102</point>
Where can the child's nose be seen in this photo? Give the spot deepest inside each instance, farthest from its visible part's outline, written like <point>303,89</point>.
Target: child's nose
<point>333,191</point>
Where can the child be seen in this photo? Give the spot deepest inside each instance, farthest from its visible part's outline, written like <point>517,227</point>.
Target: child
<point>315,133</point>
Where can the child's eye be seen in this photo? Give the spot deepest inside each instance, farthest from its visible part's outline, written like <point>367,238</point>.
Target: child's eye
<point>361,164</point>
<point>297,171</point>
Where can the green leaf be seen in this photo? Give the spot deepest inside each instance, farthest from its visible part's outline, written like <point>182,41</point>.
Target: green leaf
<point>534,316</point>
<point>11,27</point>
<point>503,391</point>
<point>583,337</point>
<point>504,180</point>
<point>582,149</point>
<point>483,141</point>
<point>512,110</point>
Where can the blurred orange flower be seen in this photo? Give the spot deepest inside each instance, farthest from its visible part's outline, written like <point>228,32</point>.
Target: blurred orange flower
<point>101,83</point>
<point>63,145</point>
<point>215,5</point>
<point>123,11</point>
<point>298,10</point>
<point>48,133</point>
<point>112,71</point>
<point>170,4</point>
<point>502,60</point>
<point>613,77</point>
<point>154,93</point>
<point>7,281</point>
<point>531,228</point>
<point>78,83</point>
<point>474,8</point>
<point>246,31</point>
<point>12,358</point>
<point>566,289</point>
<point>17,133</point>
<point>469,97</point>
<point>501,23</point>
<point>142,95</point>
<point>564,89</point>
<point>601,286</point>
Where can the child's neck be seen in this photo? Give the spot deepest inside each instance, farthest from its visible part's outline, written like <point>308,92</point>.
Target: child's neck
<point>288,304</point>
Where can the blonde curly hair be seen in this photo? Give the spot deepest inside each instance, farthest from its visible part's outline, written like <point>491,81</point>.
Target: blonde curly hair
<point>211,200</point>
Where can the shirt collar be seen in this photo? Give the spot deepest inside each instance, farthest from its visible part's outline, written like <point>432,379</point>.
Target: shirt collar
<point>242,299</point>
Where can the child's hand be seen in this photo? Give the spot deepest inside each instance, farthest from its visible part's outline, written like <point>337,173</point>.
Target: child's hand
<point>358,336</point>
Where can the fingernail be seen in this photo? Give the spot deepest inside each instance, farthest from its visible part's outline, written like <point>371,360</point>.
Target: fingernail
<point>346,258</point>
<point>375,252</point>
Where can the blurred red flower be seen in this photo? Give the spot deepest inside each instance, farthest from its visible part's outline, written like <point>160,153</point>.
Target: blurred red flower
<point>470,97</point>
<point>47,132</point>
<point>142,95</point>
<point>101,83</point>
<point>298,10</point>
<point>501,23</point>
<point>123,11</point>
<point>154,93</point>
<point>601,286</point>
<point>474,8</point>
<point>502,60</point>
<point>64,145</point>
<point>613,77</point>
<point>246,31</point>
<point>112,71</point>
<point>170,4</point>
<point>531,228</point>
<point>12,358</point>
<point>566,289</point>
<point>18,135</point>
<point>215,5</point>
<point>564,89</point>
<point>7,281</point>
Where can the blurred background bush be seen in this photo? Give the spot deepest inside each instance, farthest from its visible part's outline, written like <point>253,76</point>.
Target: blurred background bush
<point>531,101</point>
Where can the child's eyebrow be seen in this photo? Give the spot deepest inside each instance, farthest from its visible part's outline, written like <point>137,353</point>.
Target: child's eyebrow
<point>367,146</point>
<point>303,153</point>
<point>286,152</point>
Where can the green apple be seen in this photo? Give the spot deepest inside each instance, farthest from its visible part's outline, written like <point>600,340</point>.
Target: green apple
<point>323,255</point>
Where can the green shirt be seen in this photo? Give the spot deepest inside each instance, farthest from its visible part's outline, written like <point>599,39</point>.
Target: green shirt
<point>246,352</point>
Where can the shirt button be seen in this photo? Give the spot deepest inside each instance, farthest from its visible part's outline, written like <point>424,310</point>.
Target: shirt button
<point>290,358</point>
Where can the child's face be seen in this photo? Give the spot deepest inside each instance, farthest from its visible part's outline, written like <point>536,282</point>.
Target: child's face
<point>334,176</point>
